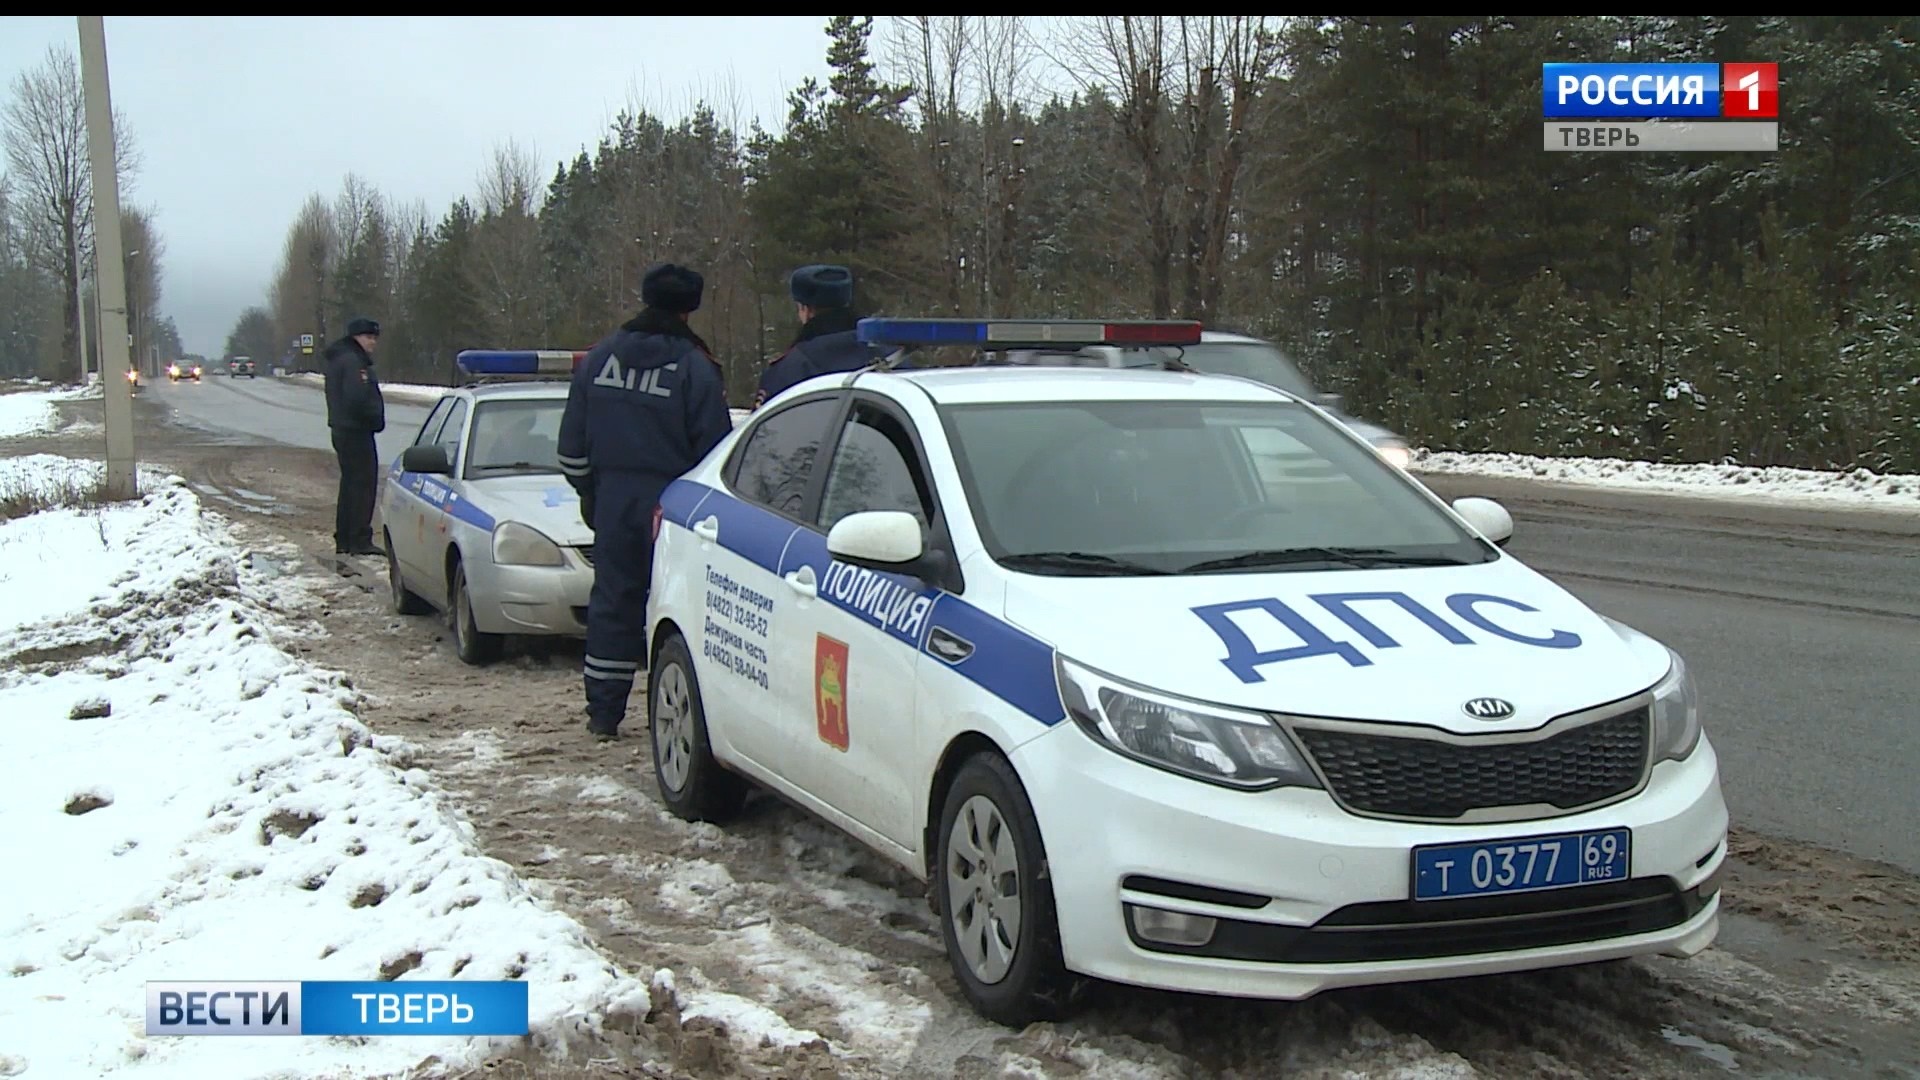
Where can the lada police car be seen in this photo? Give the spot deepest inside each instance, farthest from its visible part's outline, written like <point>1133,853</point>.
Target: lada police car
<point>478,521</point>
<point>1142,707</point>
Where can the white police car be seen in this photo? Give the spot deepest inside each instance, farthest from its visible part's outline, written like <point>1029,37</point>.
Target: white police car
<point>1260,733</point>
<point>477,519</point>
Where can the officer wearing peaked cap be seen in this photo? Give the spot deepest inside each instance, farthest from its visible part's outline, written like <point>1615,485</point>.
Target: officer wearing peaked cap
<point>828,339</point>
<point>647,403</point>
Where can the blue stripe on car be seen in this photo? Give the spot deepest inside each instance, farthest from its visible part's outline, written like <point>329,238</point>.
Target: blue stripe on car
<point>1007,662</point>
<point>439,495</point>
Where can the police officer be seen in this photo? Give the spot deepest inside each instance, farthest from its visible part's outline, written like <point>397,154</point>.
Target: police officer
<point>356,412</point>
<point>828,339</point>
<point>647,403</point>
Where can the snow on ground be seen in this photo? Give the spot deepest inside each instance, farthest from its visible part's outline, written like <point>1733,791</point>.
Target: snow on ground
<point>190,802</point>
<point>30,412</point>
<point>1858,487</point>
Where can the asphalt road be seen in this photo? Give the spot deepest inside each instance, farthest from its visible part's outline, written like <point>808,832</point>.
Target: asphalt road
<point>276,410</point>
<point>1802,626</point>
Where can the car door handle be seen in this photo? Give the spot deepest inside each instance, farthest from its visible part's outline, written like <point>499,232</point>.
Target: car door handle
<point>708,529</point>
<point>944,644</point>
<point>803,582</point>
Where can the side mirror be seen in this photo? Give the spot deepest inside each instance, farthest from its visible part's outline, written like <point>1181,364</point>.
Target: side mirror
<point>877,539</point>
<point>890,541</point>
<point>1488,518</point>
<point>426,459</point>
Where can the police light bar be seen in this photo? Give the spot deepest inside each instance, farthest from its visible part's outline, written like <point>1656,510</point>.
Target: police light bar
<point>1013,333</point>
<point>480,362</point>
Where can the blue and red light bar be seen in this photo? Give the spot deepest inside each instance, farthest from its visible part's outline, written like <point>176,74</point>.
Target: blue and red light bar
<point>1014,333</point>
<point>479,362</point>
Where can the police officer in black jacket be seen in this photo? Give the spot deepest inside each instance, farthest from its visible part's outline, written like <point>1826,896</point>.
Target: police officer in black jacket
<point>646,404</point>
<point>356,412</point>
<point>828,338</point>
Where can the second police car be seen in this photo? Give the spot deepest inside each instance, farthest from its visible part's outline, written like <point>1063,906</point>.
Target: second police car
<point>1142,709</point>
<point>478,520</point>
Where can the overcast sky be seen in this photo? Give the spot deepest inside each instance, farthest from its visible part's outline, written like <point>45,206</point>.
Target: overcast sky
<point>238,120</point>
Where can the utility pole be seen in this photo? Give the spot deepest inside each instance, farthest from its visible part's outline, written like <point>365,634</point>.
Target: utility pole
<point>122,480</point>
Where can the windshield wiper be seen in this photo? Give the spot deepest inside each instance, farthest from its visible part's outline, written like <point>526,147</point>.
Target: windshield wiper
<point>498,466</point>
<point>1076,560</point>
<point>1346,556</point>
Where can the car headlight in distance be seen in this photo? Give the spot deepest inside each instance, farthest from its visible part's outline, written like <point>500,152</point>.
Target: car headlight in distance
<point>1206,742</point>
<point>1676,713</point>
<point>1397,453</point>
<point>515,544</point>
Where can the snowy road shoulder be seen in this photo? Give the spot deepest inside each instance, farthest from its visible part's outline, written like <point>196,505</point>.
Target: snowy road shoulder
<point>194,803</point>
<point>1857,488</point>
<point>31,411</point>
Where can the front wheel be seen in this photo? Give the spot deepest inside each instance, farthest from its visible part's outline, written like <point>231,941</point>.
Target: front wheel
<point>694,785</point>
<point>474,647</point>
<point>997,913</point>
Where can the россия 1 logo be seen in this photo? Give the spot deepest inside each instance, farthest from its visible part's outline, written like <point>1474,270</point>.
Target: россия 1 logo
<point>1661,106</point>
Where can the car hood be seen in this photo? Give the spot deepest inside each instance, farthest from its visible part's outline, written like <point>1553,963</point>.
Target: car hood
<point>1409,645</point>
<point>544,501</point>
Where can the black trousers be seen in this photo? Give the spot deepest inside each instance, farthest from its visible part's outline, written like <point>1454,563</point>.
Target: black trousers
<point>359,476</point>
<point>617,607</point>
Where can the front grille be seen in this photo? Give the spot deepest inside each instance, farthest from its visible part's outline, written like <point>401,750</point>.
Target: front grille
<point>586,552</point>
<point>1412,777</point>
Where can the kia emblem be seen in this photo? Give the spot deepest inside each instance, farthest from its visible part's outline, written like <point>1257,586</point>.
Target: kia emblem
<point>1488,708</point>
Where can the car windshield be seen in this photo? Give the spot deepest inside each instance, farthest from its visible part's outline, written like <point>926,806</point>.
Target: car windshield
<point>515,437</point>
<point>1182,486</point>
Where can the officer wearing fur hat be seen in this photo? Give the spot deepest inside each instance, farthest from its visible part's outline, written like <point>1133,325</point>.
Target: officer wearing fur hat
<point>356,412</point>
<point>828,340</point>
<point>646,404</point>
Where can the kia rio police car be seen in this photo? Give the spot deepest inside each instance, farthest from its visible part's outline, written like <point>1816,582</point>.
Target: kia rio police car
<point>478,520</point>
<point>1143,708</point>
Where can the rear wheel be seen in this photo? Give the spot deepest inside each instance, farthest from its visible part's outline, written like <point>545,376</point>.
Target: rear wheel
<point>996,901</point>
<point>475,648</point>
<point>692,782</point>
<point>405,600</point>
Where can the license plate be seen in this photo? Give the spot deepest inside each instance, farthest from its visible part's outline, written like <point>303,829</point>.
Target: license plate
<point>1529,864</point>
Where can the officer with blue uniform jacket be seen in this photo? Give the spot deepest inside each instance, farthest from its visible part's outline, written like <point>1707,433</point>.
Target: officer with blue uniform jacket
<point>828,339</point>
<point>647,403</point>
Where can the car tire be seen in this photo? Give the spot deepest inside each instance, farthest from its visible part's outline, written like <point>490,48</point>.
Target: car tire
<point>986,832</point>
<point>692,782</point>
<point>405,600</point>
<point>474,647</point>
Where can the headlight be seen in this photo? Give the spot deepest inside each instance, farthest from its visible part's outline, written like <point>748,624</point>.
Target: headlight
<point>515,544</point>
<point>1220,746</point>
<point>1676,713</point>
<point>1396,452</point>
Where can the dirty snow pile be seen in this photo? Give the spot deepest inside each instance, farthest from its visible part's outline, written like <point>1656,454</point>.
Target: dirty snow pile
<point>31,412</point>
<point>185,801</point>
<point>1858,487</point>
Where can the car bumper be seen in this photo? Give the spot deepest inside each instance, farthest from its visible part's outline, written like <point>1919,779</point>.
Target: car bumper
<point>532,600</point>
<point>1309,898</point>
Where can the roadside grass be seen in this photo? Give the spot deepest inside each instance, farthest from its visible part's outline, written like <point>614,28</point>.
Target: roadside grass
<point>21,496</point>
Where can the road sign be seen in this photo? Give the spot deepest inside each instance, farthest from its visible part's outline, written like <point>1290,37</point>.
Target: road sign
<point>306,341</point>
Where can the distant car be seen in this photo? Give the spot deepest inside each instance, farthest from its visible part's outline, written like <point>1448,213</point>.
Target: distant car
<point>478,520</point>
<point>133,378</point>
<point>241,365</point>
<point>1221,353</point>
<point>181,369</point>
